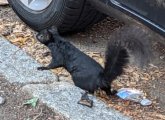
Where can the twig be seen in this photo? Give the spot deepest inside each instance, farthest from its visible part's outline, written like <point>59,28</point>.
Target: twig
<point>37,115</point>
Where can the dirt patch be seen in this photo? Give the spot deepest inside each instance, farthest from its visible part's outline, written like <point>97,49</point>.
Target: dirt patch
<point>93,42</point>
<point>13,109</point>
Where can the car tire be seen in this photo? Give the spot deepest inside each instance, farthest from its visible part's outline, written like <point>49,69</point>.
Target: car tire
<point>66,15</point>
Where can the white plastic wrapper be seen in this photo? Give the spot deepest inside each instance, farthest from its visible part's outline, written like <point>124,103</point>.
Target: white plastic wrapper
<point>133,95</point>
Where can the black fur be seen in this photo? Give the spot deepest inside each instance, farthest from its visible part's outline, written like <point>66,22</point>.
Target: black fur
<point>137,41</point>
<point>86,72</point>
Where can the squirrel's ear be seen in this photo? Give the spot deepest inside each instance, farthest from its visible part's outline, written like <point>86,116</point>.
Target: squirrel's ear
<point>53,30</point>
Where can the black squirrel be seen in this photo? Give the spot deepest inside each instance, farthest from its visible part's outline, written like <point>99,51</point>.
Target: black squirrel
<point>86,73</point>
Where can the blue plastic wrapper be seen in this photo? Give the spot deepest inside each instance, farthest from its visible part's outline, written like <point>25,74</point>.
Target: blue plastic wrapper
<point>133,95</point>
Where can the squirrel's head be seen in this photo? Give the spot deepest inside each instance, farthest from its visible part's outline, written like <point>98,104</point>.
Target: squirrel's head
<point>46,35</point>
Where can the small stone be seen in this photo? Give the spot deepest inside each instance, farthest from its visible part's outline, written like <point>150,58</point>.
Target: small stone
<point>57,117</point>
<point>3,2</point>
<point>162,57</point>
<point>2,100</point>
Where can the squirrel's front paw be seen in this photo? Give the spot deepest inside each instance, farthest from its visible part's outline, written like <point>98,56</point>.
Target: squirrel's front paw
<point>42,68</point>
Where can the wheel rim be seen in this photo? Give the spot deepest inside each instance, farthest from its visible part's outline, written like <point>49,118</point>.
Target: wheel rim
<point>36,5</point>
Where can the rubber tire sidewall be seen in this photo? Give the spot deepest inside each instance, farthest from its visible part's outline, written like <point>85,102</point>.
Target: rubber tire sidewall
<point>52,15</point>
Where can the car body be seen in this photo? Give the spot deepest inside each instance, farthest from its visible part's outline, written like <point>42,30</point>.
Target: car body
<point>76,15</point>
<point>149,12</point>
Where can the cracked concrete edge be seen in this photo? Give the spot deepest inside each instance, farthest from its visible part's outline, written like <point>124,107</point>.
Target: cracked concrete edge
<point>62,97</point>
<point>18,67</point>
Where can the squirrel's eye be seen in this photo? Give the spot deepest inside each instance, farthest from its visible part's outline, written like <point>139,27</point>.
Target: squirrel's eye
<point>41,36</point>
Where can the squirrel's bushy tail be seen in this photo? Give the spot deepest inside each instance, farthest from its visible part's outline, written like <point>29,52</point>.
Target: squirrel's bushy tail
<point>129,41</point>
<point>115,60</point>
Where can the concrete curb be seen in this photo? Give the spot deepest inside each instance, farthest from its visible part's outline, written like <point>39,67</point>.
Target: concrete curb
<point>62,97</point>
<point>19,67</point>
